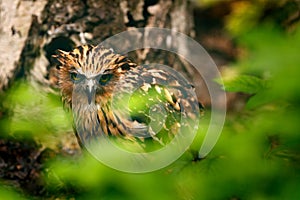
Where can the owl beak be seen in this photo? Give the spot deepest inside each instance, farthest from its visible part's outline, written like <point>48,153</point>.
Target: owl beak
<point>90,91</point>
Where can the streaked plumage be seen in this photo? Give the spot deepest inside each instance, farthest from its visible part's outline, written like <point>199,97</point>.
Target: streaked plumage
<point>94,81</point>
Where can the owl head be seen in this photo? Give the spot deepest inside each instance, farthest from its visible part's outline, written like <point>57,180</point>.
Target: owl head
<point>90,73</point>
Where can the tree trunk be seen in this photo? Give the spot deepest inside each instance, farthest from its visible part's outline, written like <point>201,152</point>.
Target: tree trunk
<point>31,31</point>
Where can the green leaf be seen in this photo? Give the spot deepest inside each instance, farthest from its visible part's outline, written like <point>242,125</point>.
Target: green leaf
<point>259,99</point>
<point>244,83</point>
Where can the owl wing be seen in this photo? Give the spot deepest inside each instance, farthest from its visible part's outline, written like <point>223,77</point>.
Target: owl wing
<point>151,102</point>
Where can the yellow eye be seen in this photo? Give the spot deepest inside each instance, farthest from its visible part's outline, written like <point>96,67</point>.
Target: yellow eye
<point>76,77</point>
<point>104,79</point>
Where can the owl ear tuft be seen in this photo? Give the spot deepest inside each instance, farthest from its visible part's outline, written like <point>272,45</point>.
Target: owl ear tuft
<point>62,52</point>
<point>60,56</point>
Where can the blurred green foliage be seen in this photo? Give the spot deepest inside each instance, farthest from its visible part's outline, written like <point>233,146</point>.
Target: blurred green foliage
<point>9,194</point>
<point>33,112</point>
<point>256,157</point>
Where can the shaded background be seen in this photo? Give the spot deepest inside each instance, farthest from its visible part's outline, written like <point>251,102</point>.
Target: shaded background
<point>255,45</point>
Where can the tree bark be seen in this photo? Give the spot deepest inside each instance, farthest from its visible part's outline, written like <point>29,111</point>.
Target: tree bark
<point>31,32</point>
<point>17,20</point>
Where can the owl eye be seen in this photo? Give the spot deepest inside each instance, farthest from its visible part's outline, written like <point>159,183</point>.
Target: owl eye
<point>105,78</point>
<point>76,77</point>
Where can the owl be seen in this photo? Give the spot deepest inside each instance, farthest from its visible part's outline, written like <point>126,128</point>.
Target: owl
<point>111,95</point>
